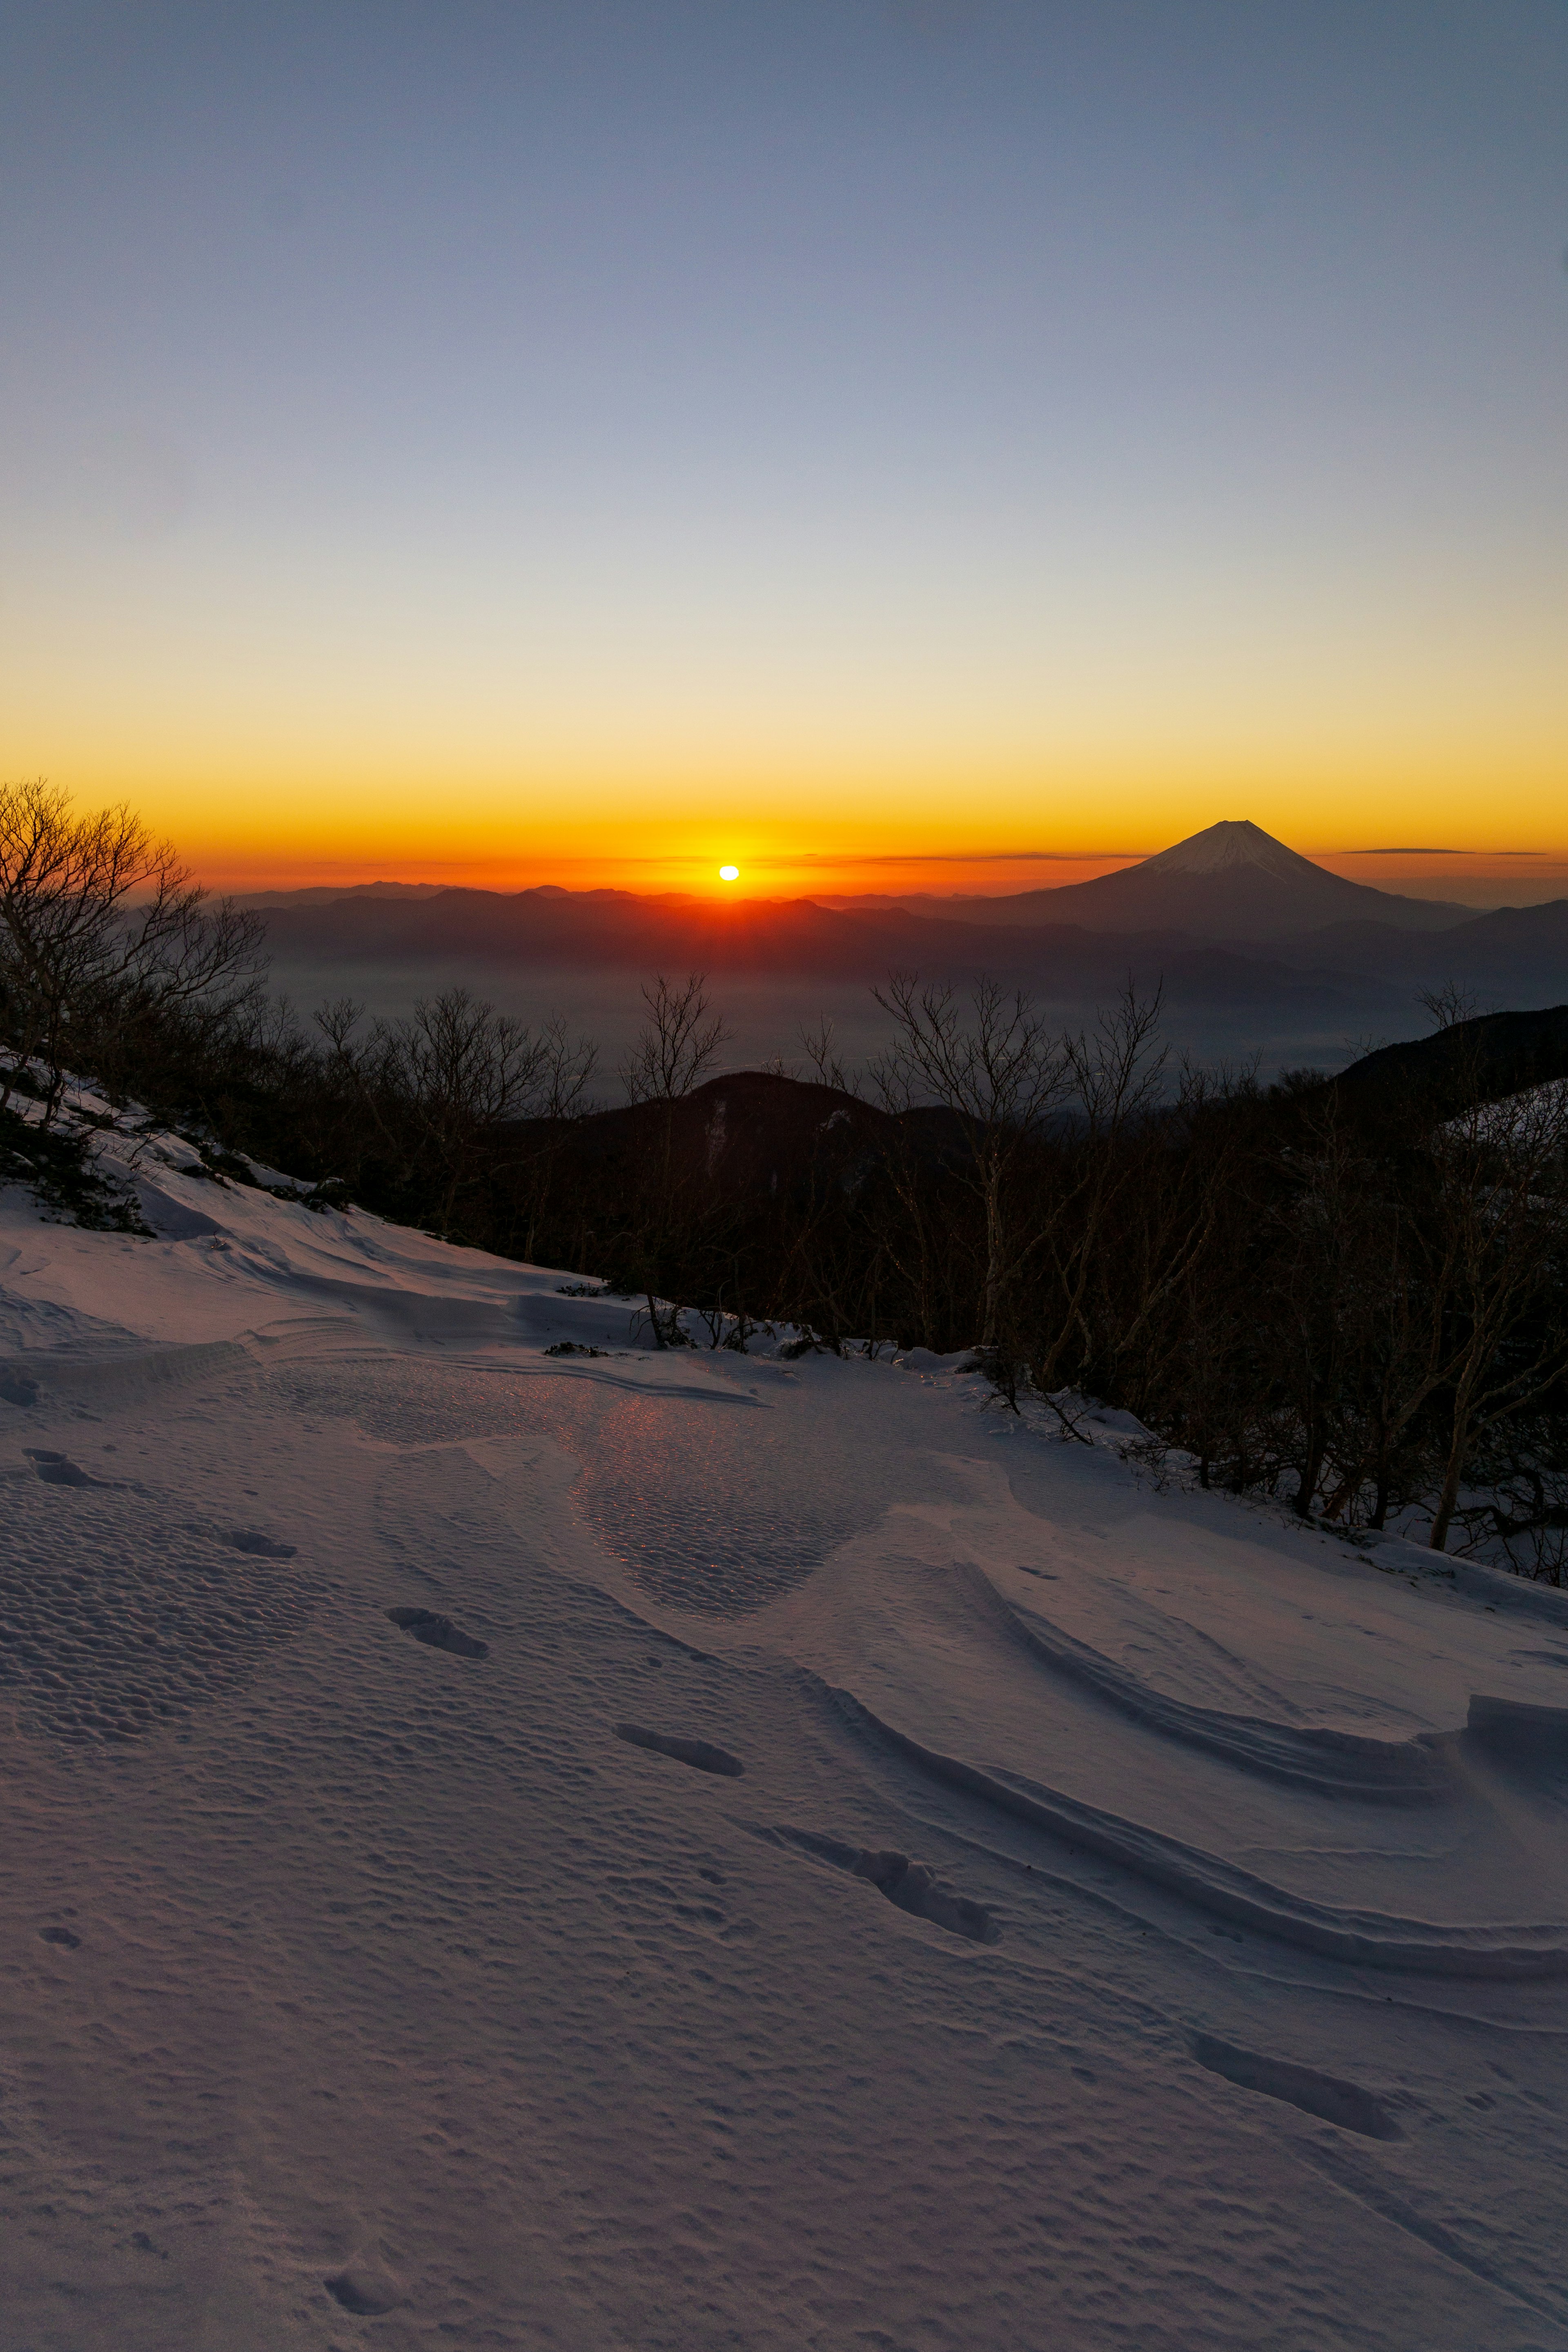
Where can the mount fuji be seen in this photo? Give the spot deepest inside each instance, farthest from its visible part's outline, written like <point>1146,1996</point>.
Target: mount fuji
<point>1232,881</point>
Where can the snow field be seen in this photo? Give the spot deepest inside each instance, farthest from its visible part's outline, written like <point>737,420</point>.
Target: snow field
<point>888,1880</point>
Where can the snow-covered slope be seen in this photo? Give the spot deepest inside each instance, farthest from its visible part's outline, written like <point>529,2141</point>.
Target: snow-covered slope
<point>818,1865</point>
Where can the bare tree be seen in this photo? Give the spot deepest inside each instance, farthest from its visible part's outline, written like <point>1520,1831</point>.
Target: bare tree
<point>1448,1004</point>
<point>680,1038</point>
<point>441,1082</point>
<point>1499,1344</point>
<point>469,1063</point>
<point>821,1050</point>
<point>1112,1274</point>
<point>1316,1295</point>
<point>994,1064</point>
<point>1419,1298</point>
<point>100,927</point>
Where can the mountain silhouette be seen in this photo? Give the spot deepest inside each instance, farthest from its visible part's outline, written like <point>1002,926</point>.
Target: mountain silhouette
<point>1232,881</point>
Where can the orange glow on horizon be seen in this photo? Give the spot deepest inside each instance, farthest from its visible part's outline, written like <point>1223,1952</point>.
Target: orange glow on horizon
<point>1482,876</point>
<point>942,828</point>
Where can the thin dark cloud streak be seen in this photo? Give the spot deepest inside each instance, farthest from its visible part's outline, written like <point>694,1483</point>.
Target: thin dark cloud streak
<point>1404,849</point>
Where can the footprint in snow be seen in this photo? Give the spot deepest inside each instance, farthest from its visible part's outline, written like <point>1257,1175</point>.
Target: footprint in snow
<point>911,1887</point>
<point>700,1754</point>
<point>260,1547</point>
<point>428,1626</point>
<point>1324,2095</point>
<point>907,1885</point>
<point>58,1470</point>
<point>64,1937</point>
<point>365,2292</point>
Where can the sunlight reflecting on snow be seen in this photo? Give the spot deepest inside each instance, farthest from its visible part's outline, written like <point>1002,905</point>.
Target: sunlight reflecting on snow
<point>702,1503</point>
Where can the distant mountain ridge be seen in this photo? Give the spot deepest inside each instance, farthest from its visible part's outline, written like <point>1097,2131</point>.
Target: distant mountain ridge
<point>322,894</point>
<point>1231,882</point>
<point>605,930</point>
<point>1230,917</point>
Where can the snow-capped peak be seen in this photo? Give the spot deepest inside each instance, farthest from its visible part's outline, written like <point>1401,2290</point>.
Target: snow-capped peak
<point>1233,842</point>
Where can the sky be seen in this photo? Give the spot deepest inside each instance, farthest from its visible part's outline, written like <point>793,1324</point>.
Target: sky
<point>885,444</point>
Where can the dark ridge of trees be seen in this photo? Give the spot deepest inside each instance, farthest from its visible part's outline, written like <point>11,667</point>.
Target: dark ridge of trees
<point>1350,1294</point>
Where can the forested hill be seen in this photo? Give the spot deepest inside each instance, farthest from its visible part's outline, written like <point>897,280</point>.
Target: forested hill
<point>1479,1060</point>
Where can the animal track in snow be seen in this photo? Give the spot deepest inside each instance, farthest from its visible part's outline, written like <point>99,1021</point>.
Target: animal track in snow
<point>64,1937</point>
<point>907,1885</point>
<point>700,1754</point>
<point>1324,2095</point>
<point>260,1547</point>
<point>438,1633</point>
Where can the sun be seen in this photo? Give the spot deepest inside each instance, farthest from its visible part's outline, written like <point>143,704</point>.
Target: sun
<point>729,873</point>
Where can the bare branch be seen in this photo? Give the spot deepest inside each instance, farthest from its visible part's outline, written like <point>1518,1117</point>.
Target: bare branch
<point>682,1037</point>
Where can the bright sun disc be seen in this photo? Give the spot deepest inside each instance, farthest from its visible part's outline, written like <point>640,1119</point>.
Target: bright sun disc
<point>729,873</point>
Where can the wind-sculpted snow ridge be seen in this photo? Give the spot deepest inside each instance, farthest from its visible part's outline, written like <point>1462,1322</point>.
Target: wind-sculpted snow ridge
<point>1520,1732</point>
<point>1337,1763</point>
<point>1211,1884</point>
<point>684,1849</point>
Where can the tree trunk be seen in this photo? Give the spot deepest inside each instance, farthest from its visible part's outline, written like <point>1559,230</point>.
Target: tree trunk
<point>1311,1468</point>
<point>1458,1446</point>
<point>1380,1500</point>
<point>991,1317</point>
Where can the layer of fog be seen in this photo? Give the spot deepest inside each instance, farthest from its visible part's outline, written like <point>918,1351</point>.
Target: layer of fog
<point>768,1012</point>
